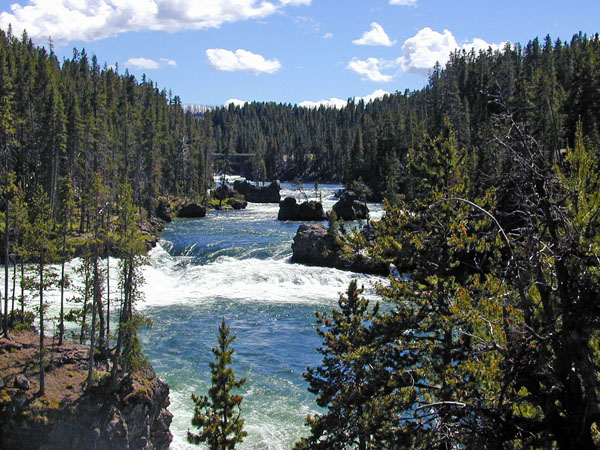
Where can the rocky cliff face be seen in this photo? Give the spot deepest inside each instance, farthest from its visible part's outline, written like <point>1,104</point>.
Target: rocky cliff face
<point>131,415</point>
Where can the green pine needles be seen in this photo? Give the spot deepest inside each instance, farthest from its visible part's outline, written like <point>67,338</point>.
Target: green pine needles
<point>218,416</point>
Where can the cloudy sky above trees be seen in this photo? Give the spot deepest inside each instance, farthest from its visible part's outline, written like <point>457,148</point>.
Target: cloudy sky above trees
<point>306,52</point>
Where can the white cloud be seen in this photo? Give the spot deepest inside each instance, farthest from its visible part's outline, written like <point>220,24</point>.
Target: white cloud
<point>242,60</point>
<point>328,36</point>
<point>375,36</point>
<point>423,50</point>
<point>370,70</point>
<point>379,93</point>
<point>333,102</point>
<point>420,53</point>
<point>235,102</point>
<point>168,62</point>
<point>404,2</point>
<point>296,2</point>
<point>339,103</point>
<point>149,64</point>
<point>88,20</point>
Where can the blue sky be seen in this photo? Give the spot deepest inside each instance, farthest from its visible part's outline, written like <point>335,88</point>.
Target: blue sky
<point>210,52</point>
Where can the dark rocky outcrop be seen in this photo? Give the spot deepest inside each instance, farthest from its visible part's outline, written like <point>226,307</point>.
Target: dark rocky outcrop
<point>22,382</point>
<point>238,204</point>
<point>258,194</point>
<point>350,208</point>
<point>130,415</point>
<point>191,211</point>
<point>135,418</point>
<point>223,192</point>
<point>314,246</point>
<point>289,209</point>
<point>163,210</point>
<point>150,230</point>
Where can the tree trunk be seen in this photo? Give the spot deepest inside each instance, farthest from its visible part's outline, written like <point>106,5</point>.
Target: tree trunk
<point>22,290</point>
<point>42,389</point>
<point>93,332</point>
<point>108,293</point>
<point>6,270</point>
<point>14,287</point>
<point>61,326</point>
<point>85,302</point>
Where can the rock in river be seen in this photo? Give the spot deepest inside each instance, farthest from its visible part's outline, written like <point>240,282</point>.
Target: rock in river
<point>258,194</point>
<point>191,210</point>
<point>289,209</point>
<point>350,208</point>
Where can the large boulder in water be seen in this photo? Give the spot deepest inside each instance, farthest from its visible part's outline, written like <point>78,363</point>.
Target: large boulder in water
<point>258,194</point>
<point>289,209</point>
<point>191,211</point>
<point>313,246</point>
<point>350,208</point>
<point>238,204</point>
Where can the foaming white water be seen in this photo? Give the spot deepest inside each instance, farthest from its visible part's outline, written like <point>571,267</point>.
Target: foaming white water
<point>172,280</point>
<point>72,293</point>
<point>262,421</point>
<point>269,303</point>
<point>274,407</point>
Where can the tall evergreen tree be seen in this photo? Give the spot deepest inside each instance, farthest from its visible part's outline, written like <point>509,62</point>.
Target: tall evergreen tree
<point>127,354</point>
<point>218,416</point>
<point>42,249</point>
<point>346,381</point>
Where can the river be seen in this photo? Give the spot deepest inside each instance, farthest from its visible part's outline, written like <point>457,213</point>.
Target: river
<point>236,264</point>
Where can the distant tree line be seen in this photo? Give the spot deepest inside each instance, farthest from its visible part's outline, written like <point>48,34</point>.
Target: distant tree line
<point>548,85</point>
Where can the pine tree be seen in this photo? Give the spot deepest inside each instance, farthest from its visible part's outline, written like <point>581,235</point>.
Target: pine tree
<point>128,355</point>
<point>218,416</point>
<point>42,249</point>
<point>67,206</point>
<point>347,379</point>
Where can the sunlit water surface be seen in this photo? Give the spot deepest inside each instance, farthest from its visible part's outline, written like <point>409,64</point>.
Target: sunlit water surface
<point>236,264</point>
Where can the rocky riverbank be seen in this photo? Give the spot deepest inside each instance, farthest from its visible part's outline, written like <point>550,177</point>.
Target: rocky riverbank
<point>131,415</point>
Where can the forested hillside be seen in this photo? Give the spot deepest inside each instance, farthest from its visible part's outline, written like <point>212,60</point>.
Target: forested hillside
<point>490,176</point>
<point>76,119</point>
<point>547,85</point>
<point>492,337</point>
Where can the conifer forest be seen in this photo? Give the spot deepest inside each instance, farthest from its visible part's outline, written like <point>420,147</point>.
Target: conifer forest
<point>486,335</point>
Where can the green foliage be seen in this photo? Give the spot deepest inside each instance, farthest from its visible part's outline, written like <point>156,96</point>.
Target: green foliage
<point>347,380</point>
<point>133,357</point>
<point>482,340</point>
<point>21,321</point>
<point>361,189</point>
<point>218,415</point>
<point>128,351</point>
<point>101,379</point>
